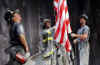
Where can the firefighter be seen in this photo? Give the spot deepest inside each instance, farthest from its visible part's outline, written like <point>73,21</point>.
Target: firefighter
<point>47,37</point>
<point>17,37</point>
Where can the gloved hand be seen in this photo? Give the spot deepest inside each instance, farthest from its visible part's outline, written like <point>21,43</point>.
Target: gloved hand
<point>27,55</point>
<point>73,35</point>
<point>75,41</point>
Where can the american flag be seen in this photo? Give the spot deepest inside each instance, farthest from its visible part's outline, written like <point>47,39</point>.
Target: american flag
<point>62,24</point>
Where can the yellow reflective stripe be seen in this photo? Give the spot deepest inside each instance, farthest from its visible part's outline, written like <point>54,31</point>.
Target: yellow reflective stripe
<point>50,38</point>
<point>49,32</point>
<point>50,53</point>
<point>44,40</point>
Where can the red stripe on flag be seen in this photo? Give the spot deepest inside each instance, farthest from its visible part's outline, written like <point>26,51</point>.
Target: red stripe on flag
<point>56,0</point>
<point>67,22</point>
<point>55,8</point>
<point>67,46</point>
<point>66,9</point>
<point>57,31</point>
<point>60,15</point>
<point>62,24</point>
<point>62,33</point>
